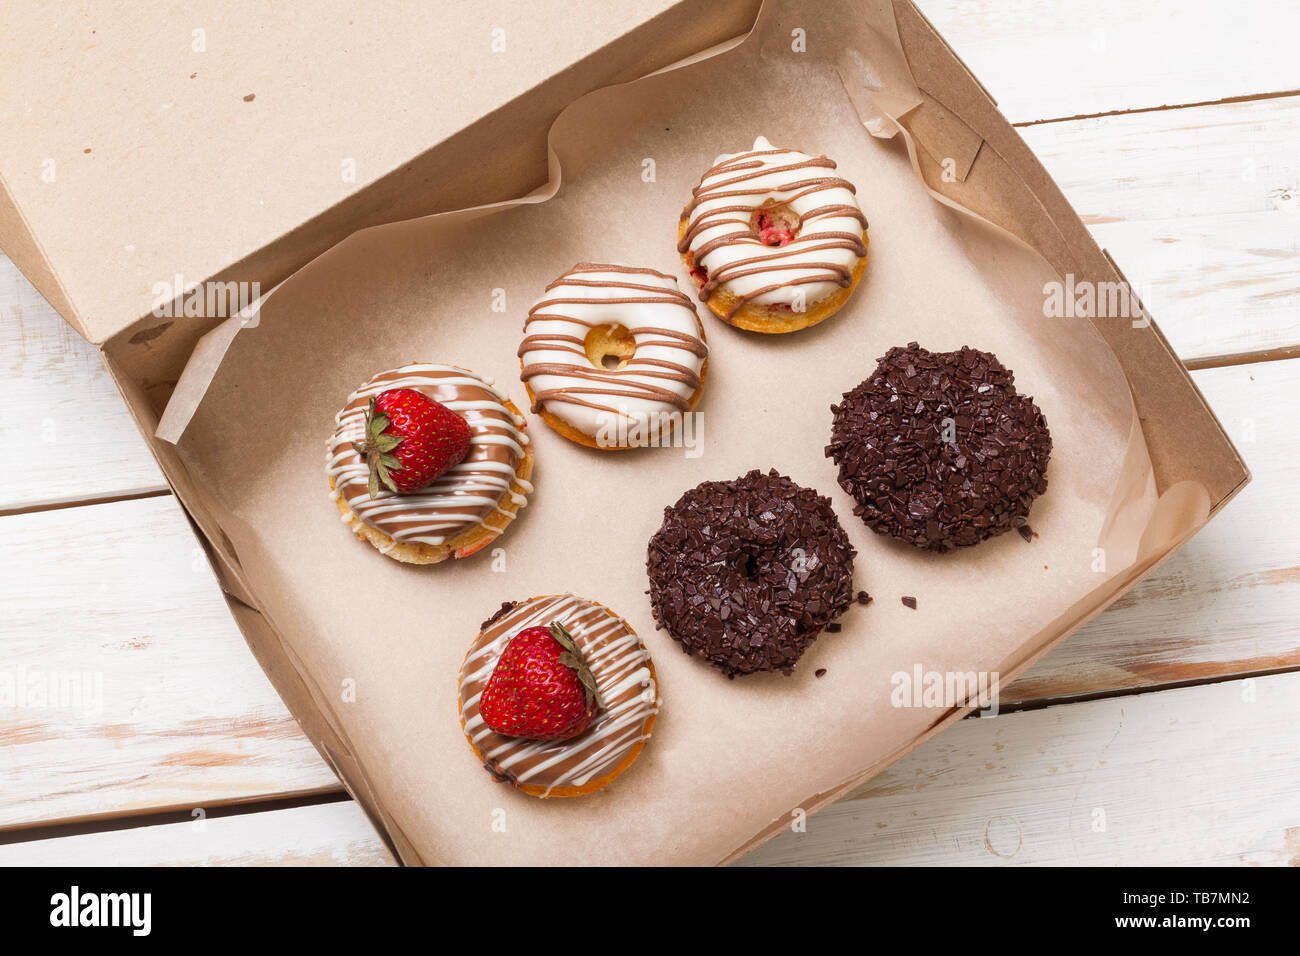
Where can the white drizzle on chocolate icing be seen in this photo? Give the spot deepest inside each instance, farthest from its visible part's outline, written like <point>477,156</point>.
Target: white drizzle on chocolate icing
<point>659,379</point>
<point>719,235</point>
<point>618,661</point>
<point>463,497</point>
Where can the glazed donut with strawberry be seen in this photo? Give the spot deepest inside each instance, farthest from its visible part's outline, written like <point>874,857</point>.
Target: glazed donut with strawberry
<point>613,356</point>
<point>557,695</point>
<point>775,241</point>
<point>429,462</point>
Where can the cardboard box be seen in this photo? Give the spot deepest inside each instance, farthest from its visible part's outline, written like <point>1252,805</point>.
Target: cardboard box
<point>227,163</point>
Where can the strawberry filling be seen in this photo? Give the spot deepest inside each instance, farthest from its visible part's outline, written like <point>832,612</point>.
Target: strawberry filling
<point>699,273</point>
<point>772,231</point>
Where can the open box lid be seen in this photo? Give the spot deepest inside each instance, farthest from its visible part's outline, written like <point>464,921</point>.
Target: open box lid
<point>216,187</point>
<point>144,147</point>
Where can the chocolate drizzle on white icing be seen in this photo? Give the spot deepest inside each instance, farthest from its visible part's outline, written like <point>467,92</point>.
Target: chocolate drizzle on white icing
<point>659,379</point>
<point>620,664</point>
<point>468,493</point>
<point>720,238</point>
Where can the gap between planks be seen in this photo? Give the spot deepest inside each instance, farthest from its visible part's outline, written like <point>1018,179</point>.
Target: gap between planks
<point>1130,111</point>
<point>1211,247</point>
<point>1198,776</point>
<point>199,725</point>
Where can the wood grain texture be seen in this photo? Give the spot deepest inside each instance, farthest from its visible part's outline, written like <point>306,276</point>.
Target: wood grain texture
<point>62,410</point>
<point>188,719</point>
<point>125,685</point>
<point>1229,601</point>
<point>1201,209</point>
<point>1044,59</point>
<point>1196,776</point>
<point>330,834</point>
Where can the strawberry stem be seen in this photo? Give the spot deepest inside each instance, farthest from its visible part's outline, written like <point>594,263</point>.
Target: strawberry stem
<point>375,449</point>
<point>572,658</point>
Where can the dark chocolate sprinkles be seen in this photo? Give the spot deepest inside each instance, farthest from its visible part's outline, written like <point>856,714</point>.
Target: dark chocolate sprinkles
<point>939,449</point>
<point>746,573</point>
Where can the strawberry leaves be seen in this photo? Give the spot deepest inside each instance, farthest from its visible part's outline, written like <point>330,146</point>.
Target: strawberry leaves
<point>573,659</point>
<point>376,449</point>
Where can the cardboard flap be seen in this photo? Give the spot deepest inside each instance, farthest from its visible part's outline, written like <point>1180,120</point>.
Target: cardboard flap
<point>1009,186</point>
<point>149,147</point>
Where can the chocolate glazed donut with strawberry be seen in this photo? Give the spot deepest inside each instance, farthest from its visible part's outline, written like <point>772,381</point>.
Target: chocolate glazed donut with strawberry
<point>557,695</point>
<point>428,462</point>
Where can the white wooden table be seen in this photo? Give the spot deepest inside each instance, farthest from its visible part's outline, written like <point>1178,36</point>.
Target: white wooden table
<point>1167,731</point>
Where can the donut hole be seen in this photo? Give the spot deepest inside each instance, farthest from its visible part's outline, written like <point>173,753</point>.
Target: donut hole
<point>747,566</point>
<point>609,346</point>
<point>774,223</point>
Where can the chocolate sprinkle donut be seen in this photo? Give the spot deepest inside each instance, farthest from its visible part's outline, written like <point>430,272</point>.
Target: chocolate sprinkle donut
<point>939,449</point>
<point>746,573</point>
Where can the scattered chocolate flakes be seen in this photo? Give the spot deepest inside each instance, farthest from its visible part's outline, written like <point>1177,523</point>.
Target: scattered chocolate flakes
<point>819,672</point>
<point>909,601</point>
<point>939,449</point>
<point>745,573</point>
<point>250,97</point>
<point>505,608</point>
<point>833,627</point>
<point>1026,532</point>
<point>863,598</point>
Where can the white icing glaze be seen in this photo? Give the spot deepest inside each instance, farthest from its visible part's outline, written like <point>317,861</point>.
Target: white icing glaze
<point>659,379</point>
<point>814,264</point>
<point>468,493</point>
<point>618,660</point>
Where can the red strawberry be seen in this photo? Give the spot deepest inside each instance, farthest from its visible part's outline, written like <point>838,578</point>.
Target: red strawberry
<point>410,440</point>
<point>541,688</point>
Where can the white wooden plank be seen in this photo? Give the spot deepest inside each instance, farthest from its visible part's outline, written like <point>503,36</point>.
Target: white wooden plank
<point>1042,59</point>
<point>1229,601</point>
<point>125,685</point>
<point>1224,159</point>
<point>1193,203</point>
<point>1205,775</point>
<point>1194,776</point>
<point>65,428</point>
<point>188,717</point>
<point>330,834</point>
<point>1201,209</point>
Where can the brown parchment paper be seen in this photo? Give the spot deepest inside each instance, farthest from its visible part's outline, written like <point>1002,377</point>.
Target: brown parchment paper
<point>381,643</point>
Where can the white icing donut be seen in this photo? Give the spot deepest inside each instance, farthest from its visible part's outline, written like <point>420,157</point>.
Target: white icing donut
<point>721,239</point>
<point>652,390</point>
<point>467,494</point>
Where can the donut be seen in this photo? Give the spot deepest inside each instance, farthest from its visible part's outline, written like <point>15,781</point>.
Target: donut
<point>746,573</point>
<point>625,680</point>
<point>613,356</point>
<point>464,508</point>
<point>938,449</point>
<point>774,242</point>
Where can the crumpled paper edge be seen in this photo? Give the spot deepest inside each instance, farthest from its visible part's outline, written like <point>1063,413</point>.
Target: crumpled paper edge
<point>1139,545</point>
